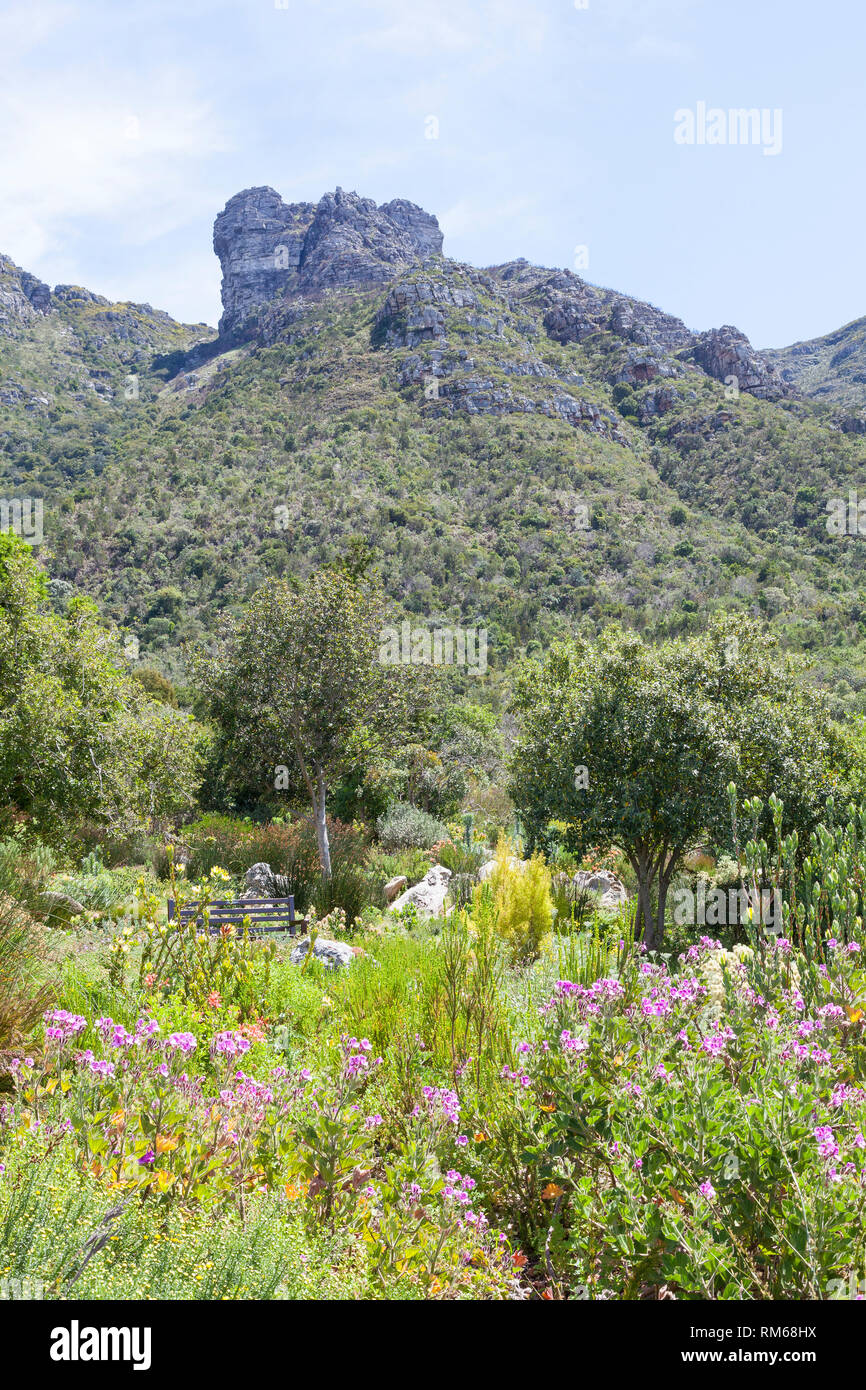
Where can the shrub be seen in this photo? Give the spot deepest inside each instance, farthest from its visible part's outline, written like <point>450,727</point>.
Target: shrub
<point>404,826</point>
<point>459,859</point>
<point>383,865</point>
<point>521,900</point>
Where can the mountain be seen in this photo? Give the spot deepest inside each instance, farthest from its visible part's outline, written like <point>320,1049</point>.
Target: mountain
<point>523,450</point>
<point>832,368</point>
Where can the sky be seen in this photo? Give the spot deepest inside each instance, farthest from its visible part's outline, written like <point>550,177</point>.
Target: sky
<point>557,130</point>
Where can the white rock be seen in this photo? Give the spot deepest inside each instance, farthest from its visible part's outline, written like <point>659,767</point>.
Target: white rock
<point>487,869</point>
<point>427,896</point>
<point>394,886</point>
<point>611,888</point>
<point>333,954</point>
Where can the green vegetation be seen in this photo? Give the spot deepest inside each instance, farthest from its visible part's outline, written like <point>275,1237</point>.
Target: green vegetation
<point>526,1093</point>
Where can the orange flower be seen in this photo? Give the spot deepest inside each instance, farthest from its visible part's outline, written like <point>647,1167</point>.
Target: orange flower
<point>552,1190</point>
<point>519,1261</point>
<point>214,1000</point>
<point>164,1144</point>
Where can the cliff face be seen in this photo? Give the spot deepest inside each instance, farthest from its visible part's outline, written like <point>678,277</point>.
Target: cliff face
<point>22,296</point>
<point>268,249</point>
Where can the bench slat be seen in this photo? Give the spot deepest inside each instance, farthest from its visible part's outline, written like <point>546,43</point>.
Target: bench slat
<point>265,914</point>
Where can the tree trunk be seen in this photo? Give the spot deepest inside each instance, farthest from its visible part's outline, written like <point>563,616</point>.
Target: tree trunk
<point>321,823</point>
<point>658,939</point>
<point>644,897</point>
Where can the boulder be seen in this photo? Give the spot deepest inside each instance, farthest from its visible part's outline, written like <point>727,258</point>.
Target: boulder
<point>394,886</point>
<point>61,905</point>
<point>262,882</point>
<point>487,869</point>
<point>332,954</point>
<point>602,881</point>
<point>429,895</point>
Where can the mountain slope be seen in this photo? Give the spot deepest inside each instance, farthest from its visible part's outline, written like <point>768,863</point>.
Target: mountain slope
<point>831,368</point>
<point>524,451</point>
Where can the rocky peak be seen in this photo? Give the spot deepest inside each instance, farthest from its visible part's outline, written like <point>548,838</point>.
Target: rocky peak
<point>726,354</point>
<point>268,248</point>
<point>22,296</point>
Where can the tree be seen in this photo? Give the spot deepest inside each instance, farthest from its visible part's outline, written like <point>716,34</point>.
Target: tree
<point>634,745</point>
<point>299,678</point>
<point>158,686</point>
<point>79,737</point>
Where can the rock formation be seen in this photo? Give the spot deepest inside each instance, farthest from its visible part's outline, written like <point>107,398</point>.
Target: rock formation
<point>268,248</point>
<point>273,254</point>
<point>726,354</point>
<point>334,955</point>
<point>429,895</point>
<point>611,889</point>
<point>22,297</point>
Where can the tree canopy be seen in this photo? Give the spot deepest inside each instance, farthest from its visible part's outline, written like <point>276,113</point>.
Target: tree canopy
<point>79,737</point>
<point>298,681</point>
<point>634,745</point>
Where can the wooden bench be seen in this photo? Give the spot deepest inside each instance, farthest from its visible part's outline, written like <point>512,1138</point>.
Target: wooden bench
<point>265,914</point>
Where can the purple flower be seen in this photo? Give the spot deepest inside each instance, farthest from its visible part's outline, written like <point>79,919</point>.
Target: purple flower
<point>230,1044</point>
<point>827,1146</point>
<point>62,1025</point>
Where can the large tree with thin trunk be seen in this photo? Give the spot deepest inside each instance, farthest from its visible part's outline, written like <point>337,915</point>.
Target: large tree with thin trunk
<point>633,745</point>
<point>298,681</point>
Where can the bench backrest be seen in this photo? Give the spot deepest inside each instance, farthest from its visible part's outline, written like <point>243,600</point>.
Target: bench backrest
<point>265,914</point>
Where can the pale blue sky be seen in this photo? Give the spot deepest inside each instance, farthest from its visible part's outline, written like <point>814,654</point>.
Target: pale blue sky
<point>125,125</point>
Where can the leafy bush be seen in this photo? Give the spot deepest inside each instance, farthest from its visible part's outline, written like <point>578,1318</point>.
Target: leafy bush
<point>50,1213</point>
<point>25,872</point>
<point>404,826</point>
<point>235,845</point>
